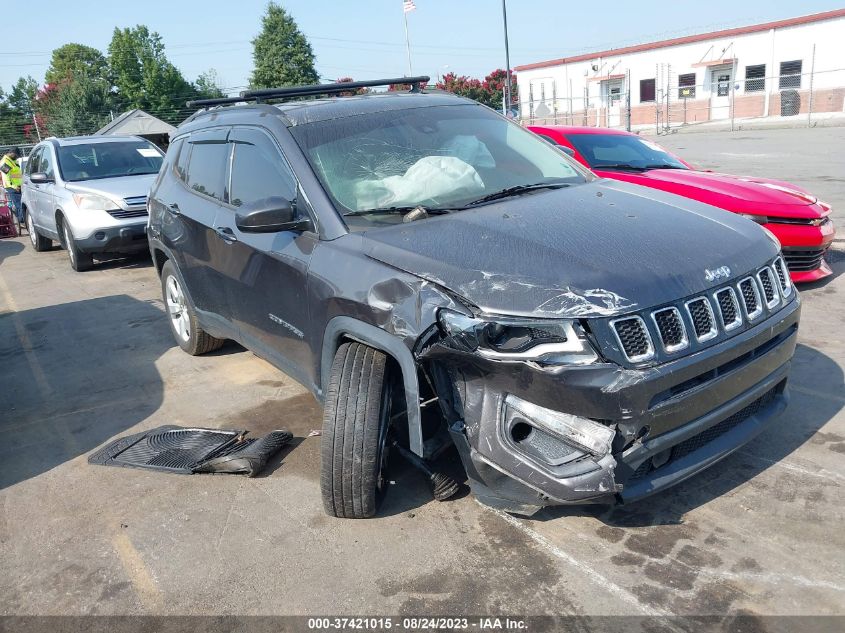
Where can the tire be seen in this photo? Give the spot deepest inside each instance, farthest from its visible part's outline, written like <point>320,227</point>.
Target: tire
<point>356,425</point>
<point>79,261</point>
<point>39,242</point>
<point>182,316</point>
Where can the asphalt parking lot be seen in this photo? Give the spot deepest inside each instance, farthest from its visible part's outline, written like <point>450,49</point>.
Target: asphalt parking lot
<point>88,357</point>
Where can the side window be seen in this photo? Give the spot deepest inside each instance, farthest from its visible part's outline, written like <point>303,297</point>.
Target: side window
<point>181,167</point>
<point>34,162</point>
<point>47,163</point>
<point>170,159</point>
<point>258,169</point>
<point>207,165</point>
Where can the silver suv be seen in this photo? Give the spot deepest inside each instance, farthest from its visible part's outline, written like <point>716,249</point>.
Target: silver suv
<point>90,194</point>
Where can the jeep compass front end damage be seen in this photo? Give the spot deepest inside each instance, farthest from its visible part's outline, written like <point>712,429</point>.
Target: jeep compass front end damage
<point>612,408</point>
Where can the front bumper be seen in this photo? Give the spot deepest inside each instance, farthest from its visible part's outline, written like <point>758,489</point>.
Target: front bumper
<point>804,247</point>
<point>672,420</point>
<point>128,238</point>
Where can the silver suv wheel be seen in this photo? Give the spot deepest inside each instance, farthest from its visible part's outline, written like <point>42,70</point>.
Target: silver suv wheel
<point>177,308</point>
<point>71,252</point>
<point>30,228</point>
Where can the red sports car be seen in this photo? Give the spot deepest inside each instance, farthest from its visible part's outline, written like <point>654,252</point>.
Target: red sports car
<point>797,218</point>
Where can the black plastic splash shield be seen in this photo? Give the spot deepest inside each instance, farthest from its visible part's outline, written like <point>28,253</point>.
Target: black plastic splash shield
<point>190,450</point>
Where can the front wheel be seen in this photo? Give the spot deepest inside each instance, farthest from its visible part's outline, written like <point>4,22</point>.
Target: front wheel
<point>183,320</point>
<point>39,242</point>
<point>79,261</point>
<point>356,429</point>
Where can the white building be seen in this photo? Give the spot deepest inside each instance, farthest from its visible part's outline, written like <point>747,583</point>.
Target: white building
<point>777,68</point>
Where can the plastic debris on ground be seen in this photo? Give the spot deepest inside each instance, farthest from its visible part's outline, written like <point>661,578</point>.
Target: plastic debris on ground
<point>193,450</point>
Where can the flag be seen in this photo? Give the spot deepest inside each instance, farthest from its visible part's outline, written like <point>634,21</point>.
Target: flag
<point>408,6</point>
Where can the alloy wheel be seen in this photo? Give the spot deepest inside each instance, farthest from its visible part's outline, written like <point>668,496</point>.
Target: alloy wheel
<point>178,309</point>
<point>30,228</point>
<point>71,252</point>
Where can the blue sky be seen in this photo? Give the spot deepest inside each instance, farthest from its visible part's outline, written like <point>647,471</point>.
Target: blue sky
<point>365,39</point>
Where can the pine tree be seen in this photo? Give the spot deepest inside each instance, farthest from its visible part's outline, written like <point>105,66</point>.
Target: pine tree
<point>281,53</point>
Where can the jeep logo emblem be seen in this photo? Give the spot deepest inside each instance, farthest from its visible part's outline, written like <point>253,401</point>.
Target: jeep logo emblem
<point>717,273</point>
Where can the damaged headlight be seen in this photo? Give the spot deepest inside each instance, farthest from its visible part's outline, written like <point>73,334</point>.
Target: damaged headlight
<point>551,342</point>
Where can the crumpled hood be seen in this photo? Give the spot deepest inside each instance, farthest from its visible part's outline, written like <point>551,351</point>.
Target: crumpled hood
<point>597,249</point>
<point>115,188</point>
<point>740,194</point>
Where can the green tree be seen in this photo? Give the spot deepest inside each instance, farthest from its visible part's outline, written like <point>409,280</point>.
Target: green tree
<point>72,60</point>
<point>143,75</point>
<point>207,85</point>
<point>282,55</point>
<point>76,106</point>
<point>17,110</point>
<point>22,96</point>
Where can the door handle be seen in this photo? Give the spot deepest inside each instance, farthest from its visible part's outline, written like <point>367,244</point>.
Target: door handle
<point>174,208</point>
<point>226,234</point>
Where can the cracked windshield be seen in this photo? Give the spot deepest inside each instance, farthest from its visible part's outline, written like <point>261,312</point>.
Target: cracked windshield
<point>440,158</point>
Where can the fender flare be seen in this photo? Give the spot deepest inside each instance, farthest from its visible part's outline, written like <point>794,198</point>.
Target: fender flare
<point>379,339</point>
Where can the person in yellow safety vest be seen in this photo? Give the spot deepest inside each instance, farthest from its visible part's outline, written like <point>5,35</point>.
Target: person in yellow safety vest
<point>11,172</point>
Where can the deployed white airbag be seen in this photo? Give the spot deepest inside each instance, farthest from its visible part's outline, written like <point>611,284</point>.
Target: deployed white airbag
<point>425,180</point>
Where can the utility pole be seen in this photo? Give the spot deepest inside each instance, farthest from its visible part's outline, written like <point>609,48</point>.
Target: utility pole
<point>507,101</point>
<point>37,131</point>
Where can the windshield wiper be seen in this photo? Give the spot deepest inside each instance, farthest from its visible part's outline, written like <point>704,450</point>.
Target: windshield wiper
<point>399,209</point>
<point>638,167</point>
<point>618,166</point>
<point>516,190</point>
<point>664,166</point>
<point>140,173</point>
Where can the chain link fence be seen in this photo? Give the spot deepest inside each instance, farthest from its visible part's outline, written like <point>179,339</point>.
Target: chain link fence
<point>673,100</point>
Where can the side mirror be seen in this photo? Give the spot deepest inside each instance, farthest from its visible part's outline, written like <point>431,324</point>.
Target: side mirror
<point>270,215</point>
<point>39,178</point>
<point>568,150</point>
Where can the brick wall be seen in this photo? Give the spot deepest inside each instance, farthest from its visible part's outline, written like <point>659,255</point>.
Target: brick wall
<point>642,114</point>
<point>752,105</point>
<point>689,111</point>
<point>824,100</point>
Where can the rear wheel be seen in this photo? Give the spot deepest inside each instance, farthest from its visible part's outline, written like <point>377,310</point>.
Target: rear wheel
<point>39,242</point>
<point>183,320</point>
<point>356,431</point>
<point>79,261</point>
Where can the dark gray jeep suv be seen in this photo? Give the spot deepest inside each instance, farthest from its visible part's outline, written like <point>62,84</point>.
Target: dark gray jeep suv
<point>437,275</point>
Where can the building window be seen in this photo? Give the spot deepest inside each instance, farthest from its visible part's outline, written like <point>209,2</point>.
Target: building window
<point>647,90</point>
<point>686,86</point>
<point>755,77</point>
<point>790,75</point>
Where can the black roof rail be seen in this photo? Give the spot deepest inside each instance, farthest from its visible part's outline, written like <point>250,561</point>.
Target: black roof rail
<point>207,103</point>
<point>319,89</point>
<point>308,91</point>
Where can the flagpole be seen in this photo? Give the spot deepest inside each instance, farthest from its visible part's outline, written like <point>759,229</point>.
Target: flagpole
<point>507,99</point>
<point>407,44</point>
